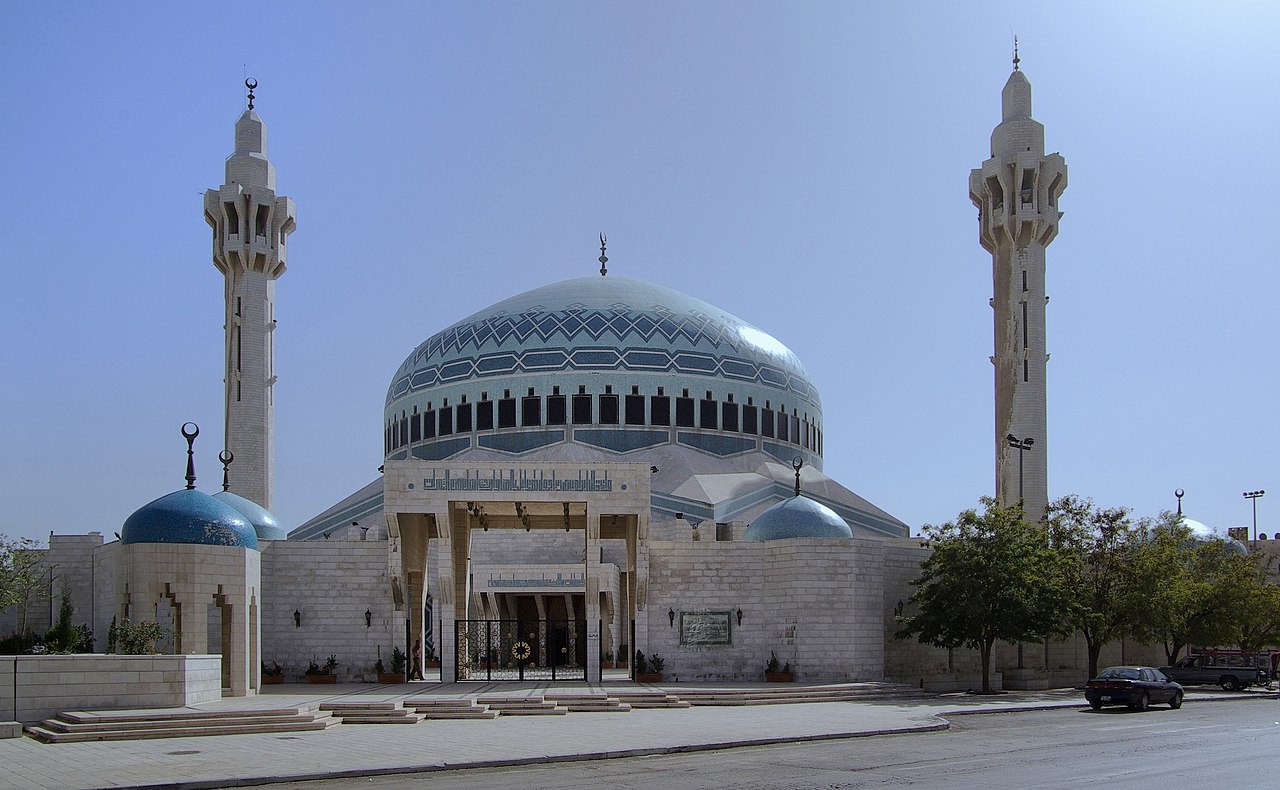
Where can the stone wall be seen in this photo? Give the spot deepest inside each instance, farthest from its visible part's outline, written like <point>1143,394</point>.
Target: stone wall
<point>331,584</point>
<point>47,685</point>
<point>813,602</point>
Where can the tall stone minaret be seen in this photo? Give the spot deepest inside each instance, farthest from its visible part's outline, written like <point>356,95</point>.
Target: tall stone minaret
<point>1016,192</point>
<point>250,227</point>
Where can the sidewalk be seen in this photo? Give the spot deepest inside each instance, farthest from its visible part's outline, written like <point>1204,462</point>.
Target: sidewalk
<point>362,750</point>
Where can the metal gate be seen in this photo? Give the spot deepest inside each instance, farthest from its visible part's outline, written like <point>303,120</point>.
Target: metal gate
<point>521,650</point>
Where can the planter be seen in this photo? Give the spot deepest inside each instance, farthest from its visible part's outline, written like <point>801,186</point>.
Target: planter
<point>648,677</point>
<point>389,677</point>
<point>318,679</point>
<point>779,677</point>
<point>272,680</point>
<point>432,664</point>
<point>607,665</point>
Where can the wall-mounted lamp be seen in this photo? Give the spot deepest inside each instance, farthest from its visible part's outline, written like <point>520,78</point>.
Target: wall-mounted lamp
<point>671,615</point>
<point>297,619</point>
<point>368,618</point>
<point>739,615</point>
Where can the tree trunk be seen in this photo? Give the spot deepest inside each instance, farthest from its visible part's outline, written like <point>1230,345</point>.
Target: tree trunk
<point>1095,648</point>
<point>986,664</point>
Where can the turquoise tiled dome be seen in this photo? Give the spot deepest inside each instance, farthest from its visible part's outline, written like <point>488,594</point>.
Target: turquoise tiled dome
<point>264,521</point>
<point>798,517</point>
<point>634,355</point>
<point>188,517</point>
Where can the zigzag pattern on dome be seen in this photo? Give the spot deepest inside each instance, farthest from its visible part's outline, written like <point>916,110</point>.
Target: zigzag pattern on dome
<point>647,360</point>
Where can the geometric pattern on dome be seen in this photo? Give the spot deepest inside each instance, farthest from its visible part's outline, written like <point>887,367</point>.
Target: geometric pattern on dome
<point>646,359</point>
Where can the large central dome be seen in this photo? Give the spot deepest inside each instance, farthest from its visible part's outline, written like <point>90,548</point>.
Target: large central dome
<point>602,323</point>
<point>610,358</point>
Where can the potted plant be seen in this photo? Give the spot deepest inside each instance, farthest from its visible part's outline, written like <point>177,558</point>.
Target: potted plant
<point>272,673</point>
<point>322,674</point>
<point>777,674</point>
<point>606,661</point>
<point>396,675</point>
<point>648,670</point>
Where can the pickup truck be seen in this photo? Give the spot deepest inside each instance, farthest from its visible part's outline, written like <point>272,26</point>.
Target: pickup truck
<point>1232,672</point>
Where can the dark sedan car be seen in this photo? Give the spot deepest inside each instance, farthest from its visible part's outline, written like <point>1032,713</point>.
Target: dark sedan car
<point>1137,687</point>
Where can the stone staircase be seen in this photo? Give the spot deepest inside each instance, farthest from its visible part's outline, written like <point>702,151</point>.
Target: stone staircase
<point>648,700</point>
<point>77,726</point>
<point>434,708</point>
<point>521,706</point>
<point>588,702</point>
<point>371,713</point>
<point>788,694</point>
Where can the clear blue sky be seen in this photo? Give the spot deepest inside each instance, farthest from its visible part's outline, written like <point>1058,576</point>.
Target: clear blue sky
<point>802,165</point>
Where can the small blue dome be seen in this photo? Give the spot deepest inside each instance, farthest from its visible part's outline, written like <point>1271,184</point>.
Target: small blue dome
<point>798,517</point>
<point>264,521</point>
<point>191,517</point>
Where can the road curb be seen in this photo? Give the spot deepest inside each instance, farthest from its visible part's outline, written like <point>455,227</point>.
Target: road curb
<point>254,781</point>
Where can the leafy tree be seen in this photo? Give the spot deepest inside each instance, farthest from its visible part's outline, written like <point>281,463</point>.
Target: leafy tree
<point>1191,592</point>
<point>23,576</point>
<point>1260,615</point>
<point>991,576</point>
<point>62,637</point>
<point>1099,544</point>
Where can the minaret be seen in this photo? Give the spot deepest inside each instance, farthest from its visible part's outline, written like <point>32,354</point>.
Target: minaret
<point>250,227</point>
<point>1016,192</point>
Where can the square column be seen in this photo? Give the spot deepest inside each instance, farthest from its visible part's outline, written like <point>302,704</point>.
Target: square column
<point>592,595</point>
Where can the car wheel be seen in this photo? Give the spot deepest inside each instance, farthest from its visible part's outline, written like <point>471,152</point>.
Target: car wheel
<point>1096,705</point>
<point>1144,701</point>
<point>1176,701</point>
<point>1229,683</point>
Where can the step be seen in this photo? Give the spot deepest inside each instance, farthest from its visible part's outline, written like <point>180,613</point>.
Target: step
<point>86,717</point>
<point>48,736</point>
<point>478,713</point>
<point>408,718</point>
<point>341,706</point>
<point>615,707</point>
<point>540,711</point>
<point>159,724</point>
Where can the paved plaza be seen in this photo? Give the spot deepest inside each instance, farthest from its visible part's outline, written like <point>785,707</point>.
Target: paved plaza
<point>358,750</point>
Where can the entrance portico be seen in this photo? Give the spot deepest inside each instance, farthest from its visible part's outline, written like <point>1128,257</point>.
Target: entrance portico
<point>438,514</point>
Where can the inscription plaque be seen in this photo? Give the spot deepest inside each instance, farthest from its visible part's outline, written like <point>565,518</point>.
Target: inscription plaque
<point>705,628</point>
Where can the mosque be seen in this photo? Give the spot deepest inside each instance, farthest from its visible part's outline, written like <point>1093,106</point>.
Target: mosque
<point>577,475</point>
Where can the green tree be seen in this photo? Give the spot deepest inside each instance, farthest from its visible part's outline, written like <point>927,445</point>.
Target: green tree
<point>62,637</point>
<point>23,576</point>
<point>1191,591</point>
<point>1099,544</point>
<point>1260,615</point>
<point>991,576</point>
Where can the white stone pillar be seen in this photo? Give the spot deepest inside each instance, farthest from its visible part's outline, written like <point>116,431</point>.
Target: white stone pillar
<point>592,596</point>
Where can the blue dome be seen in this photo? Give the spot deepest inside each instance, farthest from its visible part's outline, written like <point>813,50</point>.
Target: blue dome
<point>264,521</point>
<point>798,517</point>
<point>190,517</point>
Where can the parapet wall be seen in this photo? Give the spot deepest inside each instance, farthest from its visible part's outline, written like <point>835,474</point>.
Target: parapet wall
<point>47,685</point>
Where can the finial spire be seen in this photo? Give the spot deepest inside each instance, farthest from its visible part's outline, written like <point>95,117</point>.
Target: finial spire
<point>1015,53</point>
<point>797,463</point>
<point>251,84</point>
<point>190,436</point>
<point>226,457</point>
<point>603,258</point>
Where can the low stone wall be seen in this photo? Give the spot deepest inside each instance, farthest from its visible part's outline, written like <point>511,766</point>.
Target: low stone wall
<point>46,685</point>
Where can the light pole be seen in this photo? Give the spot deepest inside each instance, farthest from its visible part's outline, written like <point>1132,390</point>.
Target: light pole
<point>1021,445</point>
<point>1254,496</point>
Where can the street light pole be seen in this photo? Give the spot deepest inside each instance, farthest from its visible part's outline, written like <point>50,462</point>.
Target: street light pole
<point>1254,496</point>
<point>1021,445</point>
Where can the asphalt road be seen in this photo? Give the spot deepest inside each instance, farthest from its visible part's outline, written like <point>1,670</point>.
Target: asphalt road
<point>1216,744</point>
